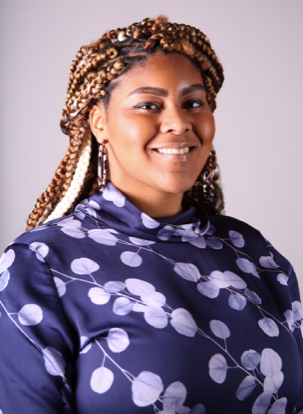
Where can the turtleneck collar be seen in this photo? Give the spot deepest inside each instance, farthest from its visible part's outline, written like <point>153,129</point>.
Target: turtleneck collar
<point>113,209</point>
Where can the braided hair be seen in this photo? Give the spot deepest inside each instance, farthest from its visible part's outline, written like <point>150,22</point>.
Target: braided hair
<point>91,73</point>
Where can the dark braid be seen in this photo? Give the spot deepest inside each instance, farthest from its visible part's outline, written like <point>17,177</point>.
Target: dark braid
<point>94,67</point>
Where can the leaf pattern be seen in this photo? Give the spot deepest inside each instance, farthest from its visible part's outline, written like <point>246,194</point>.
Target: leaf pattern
<point>151,302</point>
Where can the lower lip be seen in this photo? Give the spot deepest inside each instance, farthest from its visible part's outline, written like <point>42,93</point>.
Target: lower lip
<point>176,157</point>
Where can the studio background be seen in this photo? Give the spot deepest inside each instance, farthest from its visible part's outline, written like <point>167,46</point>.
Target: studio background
<point>259,115</point>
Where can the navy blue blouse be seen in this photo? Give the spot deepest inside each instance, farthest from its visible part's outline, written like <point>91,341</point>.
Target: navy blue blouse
<point>110,311</point>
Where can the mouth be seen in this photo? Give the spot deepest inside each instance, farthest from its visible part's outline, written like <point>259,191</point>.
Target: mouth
<point>176,151</point>
<point>174,148</point>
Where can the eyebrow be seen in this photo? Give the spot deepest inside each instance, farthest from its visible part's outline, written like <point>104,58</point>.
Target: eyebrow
<point>164,92</point>
<point>151,90</point>
<point>192,88</point>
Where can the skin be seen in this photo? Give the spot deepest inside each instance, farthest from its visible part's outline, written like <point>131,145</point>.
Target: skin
<point>160,103</point>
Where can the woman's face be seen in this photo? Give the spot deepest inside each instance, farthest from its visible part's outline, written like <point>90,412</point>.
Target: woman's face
<point>158,125</point>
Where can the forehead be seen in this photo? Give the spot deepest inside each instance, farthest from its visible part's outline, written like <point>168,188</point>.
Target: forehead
<point>172,70</point>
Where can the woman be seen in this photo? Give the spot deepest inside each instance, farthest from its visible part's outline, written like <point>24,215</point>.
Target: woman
<point>141,299</point>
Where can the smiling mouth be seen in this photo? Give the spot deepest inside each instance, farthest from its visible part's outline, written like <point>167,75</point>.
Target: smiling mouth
<point>184,150</point>
<point>173,151</point>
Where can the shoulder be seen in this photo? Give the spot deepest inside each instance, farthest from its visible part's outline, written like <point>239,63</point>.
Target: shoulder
<point>224,226</point>
<point>250,241</point>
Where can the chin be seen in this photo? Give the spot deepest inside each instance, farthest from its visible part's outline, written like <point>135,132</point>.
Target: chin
<point>179,188</point>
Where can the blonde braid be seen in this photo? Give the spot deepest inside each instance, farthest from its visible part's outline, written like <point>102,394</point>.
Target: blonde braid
<point>91,73</point>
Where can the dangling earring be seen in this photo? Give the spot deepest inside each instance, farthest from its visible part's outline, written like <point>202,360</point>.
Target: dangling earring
<point>102,164</point>
<point>209,176</point>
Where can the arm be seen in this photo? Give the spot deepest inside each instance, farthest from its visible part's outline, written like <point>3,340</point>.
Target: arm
<point>294,298</point>
<point>35,344</point>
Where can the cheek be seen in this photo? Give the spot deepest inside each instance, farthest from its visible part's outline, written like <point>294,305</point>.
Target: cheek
<point>134,130</point>
<point>206,129</point>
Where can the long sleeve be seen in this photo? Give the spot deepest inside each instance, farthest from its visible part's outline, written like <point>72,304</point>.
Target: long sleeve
<point>35,349</point>
<point>293,315</point>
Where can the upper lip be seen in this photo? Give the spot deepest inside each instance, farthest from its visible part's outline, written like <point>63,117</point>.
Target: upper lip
<point>176,144</point>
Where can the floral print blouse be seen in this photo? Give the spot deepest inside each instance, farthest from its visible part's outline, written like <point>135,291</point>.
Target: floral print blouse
<point>111,311</point>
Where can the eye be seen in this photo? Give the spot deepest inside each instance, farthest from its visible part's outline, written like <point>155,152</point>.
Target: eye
<point>149,106</point>
<point>193,104</point>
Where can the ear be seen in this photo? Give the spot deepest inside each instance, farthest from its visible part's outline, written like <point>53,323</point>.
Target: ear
<point>97,119</point>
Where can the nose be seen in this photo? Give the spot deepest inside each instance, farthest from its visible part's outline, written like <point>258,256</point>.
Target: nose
<point>175,120</point>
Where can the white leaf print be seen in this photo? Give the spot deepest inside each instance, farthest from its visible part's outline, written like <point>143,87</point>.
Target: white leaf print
<point>85,344</point>
<point>131,259</point>
<point>30,315</point>
<point>199,242</point>
<point>219,279</point>
<point>297,310</point>
<point>148,222</point>
<point>289,316</point>
<point>250,359</point>
<point>217,368</point>
<point>262,403</point>
<point>41,250</point>
<point>110,193</point>
<point>101,380</point>
<point>139,287</point>
<point>74,232</point>
<point>84,266</point>
<point>274,383</point>
<point>155,300</point>
<point>271,362</point>
<point>208,289</point>
<point>282,278</point>
<point>246,387</point>
<point>103,237</point>
<point>247,266</point>
<point>138,307</point>
<point>122,306</point>
<point>183,322</point>
<point>156,317</point>
<point>114,286</point>
<point>174,396</point>
<point>164,412</point>
<point>117,340</point>
<point>140,242</point>
<point>279,406</point>
<point>269,327</point>
<point>188,271</point>
<point>166,233</point>
<point>268,262</point>
<point>98,296</point>
<point>214,243</point>
<point>69,222</point>
<point>60,285</point>
<point>198,409</point>
<point>7,260</point>
<point>234,280</point>
<point>91,211</point>
<point>93,204</point>
<point>219,329</point>
<point>252,296</point>
<point>113,231</point>
<point>146,388</point>
<point>53,361</point>
<point>236,238</point>
<point>237,301</point>
<point>4,279</point>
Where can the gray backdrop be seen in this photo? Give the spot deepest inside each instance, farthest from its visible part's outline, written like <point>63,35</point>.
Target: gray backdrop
<point>259,115</point>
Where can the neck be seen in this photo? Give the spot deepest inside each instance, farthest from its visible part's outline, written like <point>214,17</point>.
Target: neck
<point>156,204</point>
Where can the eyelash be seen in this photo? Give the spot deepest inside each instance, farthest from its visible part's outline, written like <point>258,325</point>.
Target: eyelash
<point>145,105</point>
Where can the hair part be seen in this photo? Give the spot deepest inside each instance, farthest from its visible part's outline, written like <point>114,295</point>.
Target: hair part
<point>91,74</point>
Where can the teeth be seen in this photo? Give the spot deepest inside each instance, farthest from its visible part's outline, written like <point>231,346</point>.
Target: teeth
<point>184,150</point>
